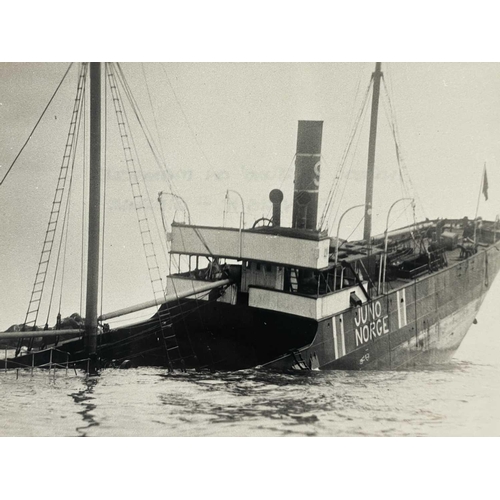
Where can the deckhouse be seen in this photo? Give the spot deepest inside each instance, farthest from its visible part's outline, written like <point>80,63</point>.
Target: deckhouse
<point>289,270</point>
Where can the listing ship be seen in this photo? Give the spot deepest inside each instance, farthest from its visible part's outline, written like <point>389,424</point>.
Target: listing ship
<point>292,298</point>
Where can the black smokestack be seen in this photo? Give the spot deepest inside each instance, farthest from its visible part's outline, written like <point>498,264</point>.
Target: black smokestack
<point>276,197</point>
<point>307,170</point>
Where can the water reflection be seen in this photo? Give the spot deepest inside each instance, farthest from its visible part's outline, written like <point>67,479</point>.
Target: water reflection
<point>257,402</point>
<point>84,399</point>
<point>283,403</point>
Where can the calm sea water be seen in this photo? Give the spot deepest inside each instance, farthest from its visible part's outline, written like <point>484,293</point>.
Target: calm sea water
<point>460,398</point>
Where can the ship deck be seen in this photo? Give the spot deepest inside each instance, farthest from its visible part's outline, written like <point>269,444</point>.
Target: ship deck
<point>452,257</point>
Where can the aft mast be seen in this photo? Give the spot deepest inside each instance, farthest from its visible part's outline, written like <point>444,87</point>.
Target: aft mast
<point>94,216</point>
<point>377,76</point>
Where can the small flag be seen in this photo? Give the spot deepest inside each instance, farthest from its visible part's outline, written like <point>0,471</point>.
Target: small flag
<point>485,184</point>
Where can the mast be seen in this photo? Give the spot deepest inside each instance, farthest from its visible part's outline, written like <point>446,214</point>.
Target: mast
<point>94,215</point>
<point>377,76</point>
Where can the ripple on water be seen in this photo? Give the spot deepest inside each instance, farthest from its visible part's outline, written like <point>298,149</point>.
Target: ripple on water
<point>455,399</point>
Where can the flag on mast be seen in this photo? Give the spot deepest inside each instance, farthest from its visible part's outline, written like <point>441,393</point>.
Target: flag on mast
<point>485,184</point>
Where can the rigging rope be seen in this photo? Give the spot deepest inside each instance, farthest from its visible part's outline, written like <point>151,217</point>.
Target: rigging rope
<point>410,205</point>
<point>352,232</point>
<point>349,170</point>
<point>154,115</point>
<point>152,146</point>
<point>52,225</point>
<point>145,232</point>
<point>189,125</point>
<point>405,179</point>
<point>63,239</point>
<point>391,120</point>
<point>150,140</point>
<point>131,158</point>
<point>354,131</point>
<point>352,118</point>
<point>65,226</point>
<point>403,170</point>
<point>36,125</point>
<point>65,231</point>
<point>130,97</point>
<point>64,255</point>
<point>147,134</point>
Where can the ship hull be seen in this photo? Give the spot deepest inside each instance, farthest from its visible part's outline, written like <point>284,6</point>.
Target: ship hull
<point>434,345</point>
<point>420,323</point>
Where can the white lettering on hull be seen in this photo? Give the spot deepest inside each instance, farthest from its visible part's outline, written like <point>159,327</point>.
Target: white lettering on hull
<point>370,323</point>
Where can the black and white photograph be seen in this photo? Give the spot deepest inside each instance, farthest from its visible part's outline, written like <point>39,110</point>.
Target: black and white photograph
<point>185,242</point>
<point>203,245</point>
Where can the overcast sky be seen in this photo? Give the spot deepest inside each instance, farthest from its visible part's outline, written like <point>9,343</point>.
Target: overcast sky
<point>233,126</point>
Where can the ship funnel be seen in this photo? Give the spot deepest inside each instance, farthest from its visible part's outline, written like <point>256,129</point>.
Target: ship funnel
<point>307,170</point>
<point>276,197</point>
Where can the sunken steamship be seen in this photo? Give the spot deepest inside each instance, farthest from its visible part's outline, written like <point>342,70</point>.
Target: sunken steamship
<point>288,297</point>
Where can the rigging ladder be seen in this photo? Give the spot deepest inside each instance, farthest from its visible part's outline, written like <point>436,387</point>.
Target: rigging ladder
<point>50,233</point>
<point>169,340</point>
